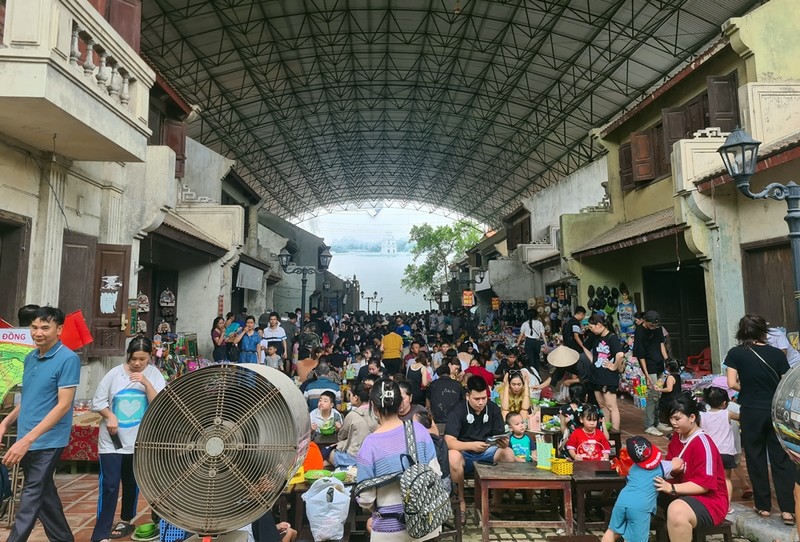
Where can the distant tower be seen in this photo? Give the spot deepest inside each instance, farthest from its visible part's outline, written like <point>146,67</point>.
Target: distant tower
<point>389,246</point>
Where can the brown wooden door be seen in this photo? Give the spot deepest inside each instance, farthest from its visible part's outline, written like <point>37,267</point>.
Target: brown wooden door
<point>769,284</point>
<point>14,240</point>
<point>679,296</point>
<point>110,289</point>
<point>77,269</point>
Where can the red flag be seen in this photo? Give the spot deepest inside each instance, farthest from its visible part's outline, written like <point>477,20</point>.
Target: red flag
<point>75,333</point>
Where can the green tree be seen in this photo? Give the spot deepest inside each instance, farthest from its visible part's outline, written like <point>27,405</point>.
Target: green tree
<point>434,249</point>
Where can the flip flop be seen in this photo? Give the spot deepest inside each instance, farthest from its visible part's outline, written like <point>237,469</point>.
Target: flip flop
<point>122,529</point>
<point>762,513</point>
<point>787,518</point>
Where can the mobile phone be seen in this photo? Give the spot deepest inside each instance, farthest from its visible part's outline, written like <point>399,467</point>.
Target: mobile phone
<point>116,440</point>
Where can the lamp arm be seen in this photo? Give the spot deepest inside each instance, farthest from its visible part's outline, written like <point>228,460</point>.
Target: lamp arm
<point>774,191</point>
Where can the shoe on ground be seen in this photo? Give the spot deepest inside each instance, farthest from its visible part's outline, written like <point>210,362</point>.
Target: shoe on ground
<point>653,431</point>
<point>664,428</point>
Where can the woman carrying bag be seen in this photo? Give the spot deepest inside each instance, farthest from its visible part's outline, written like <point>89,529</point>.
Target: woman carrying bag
<point>755,369</point>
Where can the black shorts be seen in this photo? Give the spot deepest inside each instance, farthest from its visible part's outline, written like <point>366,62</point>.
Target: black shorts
<point>700,511</point>
<point>393,366</point>
<point>608,388</point>
<point>728,461</point>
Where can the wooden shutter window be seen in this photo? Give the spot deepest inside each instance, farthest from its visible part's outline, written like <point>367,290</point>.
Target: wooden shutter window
<point>643,156</point>
<point>625,167</point>
<point>696,114</point>
<point>723,104</point>
<point>663,164</point>
<point>673,121</point>
<point>175,139</point>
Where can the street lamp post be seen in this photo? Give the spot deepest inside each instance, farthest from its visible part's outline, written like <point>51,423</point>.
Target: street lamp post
<point>430,296</point>
<point>343,299</point>
<point>369,298</point>
<point>285,258</point>
<point>479,276</point>
<point>740,154</point>
<point>376,302</point>
<point>326,286</point>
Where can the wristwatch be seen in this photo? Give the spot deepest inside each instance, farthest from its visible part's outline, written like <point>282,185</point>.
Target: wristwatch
<point>673,492</point>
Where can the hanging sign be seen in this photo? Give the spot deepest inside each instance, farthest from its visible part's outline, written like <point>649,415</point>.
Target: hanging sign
<point>495,303</point>
<point>467,298</point>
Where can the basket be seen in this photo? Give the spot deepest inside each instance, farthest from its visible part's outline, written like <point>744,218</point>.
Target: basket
<point>170,533</point>
<point>560,466</point>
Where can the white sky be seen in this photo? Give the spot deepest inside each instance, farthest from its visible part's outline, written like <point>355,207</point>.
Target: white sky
<point>359,224</point>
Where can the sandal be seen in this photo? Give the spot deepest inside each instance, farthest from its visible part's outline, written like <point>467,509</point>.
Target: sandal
<point>462,517</point>
<point>788,518</point>
<point>762,513</point>
<point>121,530</point>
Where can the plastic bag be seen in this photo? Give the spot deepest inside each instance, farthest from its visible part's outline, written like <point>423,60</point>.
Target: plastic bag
<point>327,506</point>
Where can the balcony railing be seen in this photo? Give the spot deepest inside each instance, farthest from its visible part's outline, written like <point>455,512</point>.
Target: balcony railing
<point>74,42</point>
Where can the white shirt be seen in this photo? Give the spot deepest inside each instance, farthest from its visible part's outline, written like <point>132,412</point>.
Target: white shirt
<point>777,337</point>
<point>128,401</point>
<point>532,332</point>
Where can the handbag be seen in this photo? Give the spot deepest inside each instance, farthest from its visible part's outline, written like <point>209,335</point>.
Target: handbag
<point>232,352</point>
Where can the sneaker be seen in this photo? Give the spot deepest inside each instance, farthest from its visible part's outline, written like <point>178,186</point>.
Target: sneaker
<point>653,431</point>
<point>664,428</point>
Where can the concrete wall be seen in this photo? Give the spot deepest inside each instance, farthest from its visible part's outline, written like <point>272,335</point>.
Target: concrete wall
<point>571,194</point>
<point>204,170</point>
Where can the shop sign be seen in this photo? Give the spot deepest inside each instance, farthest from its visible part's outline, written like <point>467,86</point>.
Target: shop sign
<point>495,303</point>
<point>467,298</point>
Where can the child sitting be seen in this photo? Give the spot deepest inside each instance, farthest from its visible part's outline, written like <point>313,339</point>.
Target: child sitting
<point>569,415</point>
<point>524,449</point>
<point>717,425</point>
<point>586,443</point>
<point>637,500</point>
<point>324,417</point>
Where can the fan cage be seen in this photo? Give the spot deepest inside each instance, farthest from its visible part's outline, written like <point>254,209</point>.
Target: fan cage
<point>216,447</point>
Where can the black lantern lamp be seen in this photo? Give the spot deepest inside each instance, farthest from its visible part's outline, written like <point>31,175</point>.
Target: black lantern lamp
<point>285,258</point>
<point>480,275</point>
<point>739,154</point>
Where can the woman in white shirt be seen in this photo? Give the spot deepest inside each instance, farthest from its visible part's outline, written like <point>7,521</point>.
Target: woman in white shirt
<point>532,333</point>
<point>121,399</point>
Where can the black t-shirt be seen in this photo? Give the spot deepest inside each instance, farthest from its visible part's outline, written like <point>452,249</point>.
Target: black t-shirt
<point>758,381</point>
<point>445,393</point>
<point>571,327</point>
<point>503,367</point>
<point>477,431</point>
<point>605,349</point>
<point>337,360</point>
<point>647,344</point>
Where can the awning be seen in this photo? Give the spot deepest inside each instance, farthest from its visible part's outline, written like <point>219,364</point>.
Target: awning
<point>176,228</point>
<point>635,232</point>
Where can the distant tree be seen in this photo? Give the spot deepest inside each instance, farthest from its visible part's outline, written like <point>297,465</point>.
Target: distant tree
<point>434,249</point>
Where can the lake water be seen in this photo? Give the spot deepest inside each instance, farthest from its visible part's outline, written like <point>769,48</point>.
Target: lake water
<point>381,273</point>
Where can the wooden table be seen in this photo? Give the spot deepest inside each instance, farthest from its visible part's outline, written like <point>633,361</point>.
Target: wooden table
<point>519,476</point>
<point>584,480</point>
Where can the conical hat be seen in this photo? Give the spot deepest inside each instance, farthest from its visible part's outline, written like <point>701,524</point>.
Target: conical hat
<point>563,356</point>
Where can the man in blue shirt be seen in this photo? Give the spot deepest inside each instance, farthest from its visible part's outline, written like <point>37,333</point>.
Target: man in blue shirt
<point>44,420</point>
<point>314,388</point>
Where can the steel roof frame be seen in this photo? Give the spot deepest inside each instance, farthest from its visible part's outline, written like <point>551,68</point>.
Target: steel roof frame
<point>330,102</point>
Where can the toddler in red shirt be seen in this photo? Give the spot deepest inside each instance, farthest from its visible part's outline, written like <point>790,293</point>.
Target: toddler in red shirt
<point>587,443</point>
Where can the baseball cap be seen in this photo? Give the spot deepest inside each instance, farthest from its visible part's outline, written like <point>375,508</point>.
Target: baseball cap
<point>652,316</point>
<point>643,453</point>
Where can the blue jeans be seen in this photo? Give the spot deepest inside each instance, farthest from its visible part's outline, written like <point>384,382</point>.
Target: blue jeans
<point>470,458</point>
<point>39,499</point>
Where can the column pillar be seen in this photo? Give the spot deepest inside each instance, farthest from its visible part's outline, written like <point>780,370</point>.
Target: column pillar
<point>43,288</point>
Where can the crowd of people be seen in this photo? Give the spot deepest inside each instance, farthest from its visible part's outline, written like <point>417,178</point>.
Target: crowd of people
<point>469,402</point>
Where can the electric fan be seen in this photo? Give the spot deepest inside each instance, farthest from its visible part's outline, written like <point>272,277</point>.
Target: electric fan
<point>786,412</point>
<point>216,447</point>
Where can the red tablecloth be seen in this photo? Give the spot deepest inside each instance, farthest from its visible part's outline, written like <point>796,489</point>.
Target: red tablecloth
<point>82,440</point>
